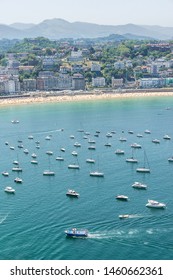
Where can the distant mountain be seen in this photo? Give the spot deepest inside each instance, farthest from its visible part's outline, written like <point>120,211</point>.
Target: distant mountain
<point>60,28</point>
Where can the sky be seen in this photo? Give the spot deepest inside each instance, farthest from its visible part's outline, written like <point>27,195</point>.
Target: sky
<point>108,12</point>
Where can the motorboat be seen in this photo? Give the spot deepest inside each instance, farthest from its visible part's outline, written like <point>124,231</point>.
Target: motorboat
<point>97,174</point>
<point>122,197</point>
<point>72,193</point>
<point>139,135</point>
<point>62,150</point>
<point>170,159</point>
<point>139,185</point>
<point>108,135</point>
<point>26,151</point>
<point>33,155</point>
<point>20,146</point>
<point>48,173</point>
<point>72,136</point>
<point>119,152</point>
<point>91,141</point>
<point>48,138</point>
<point>156,141</point>
<point>17,168</point>
<point>6,143</point>
<point>130,132</point>
<point>155,204</point>
<point>147,131</point>
<point>77,144</point>
<point>18,180</point>
<point>12,148</point>
<point>136,146</point>
<point>125,216</point>
<point>15,121</point>
<point>74,153</point>
<point>166,137</point>
<point>73,232</point>
<point>16,162</point>
<point>30,137</point>
<point>5,173</point>
<point>9,190</point>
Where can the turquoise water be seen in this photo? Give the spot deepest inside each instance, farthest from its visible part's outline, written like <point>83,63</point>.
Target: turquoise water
<point>32,222</point>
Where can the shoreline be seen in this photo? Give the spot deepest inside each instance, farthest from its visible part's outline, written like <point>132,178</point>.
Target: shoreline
<point>92,96</point>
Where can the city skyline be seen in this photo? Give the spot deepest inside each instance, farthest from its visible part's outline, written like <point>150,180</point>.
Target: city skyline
<point>110,12</point>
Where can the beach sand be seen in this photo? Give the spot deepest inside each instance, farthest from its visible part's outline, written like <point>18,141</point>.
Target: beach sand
<point>42,98</point>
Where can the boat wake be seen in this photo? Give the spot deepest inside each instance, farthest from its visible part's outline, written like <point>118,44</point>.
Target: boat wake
<point>3,218</point>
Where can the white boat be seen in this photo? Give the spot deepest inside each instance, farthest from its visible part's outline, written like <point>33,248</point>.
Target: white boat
<point>62,150</point>
<point>155,204</point>
<point>72,193</point>
<point>147,131</point>
<point>91,141</point>
<point>97,174</point>
<point>122,139</point>
<point>77,144</point>
<point>132,160</point>
<point>50,153</point>
<point>109,135</point>
<point>12,148</point>
<point>15,121</point>
<point>144,169</point>
<point>156,141</point>
<point>6,143</point>
<point>92,147</point>
<point>136,145</point>
<point>73,166</point>
<point>48,138</point>
<point>34,161</point>
<point>124,216</point>
<point>122,197</point>
<point>33,155</point>
<point>139,135</point>
<point>72,136</point>
<point>20,146</point>
<point>60,158</point>
<point>119,152</point>
<point>17,169</point>
<point>90,160</point>
<point>5,173</point>
<point>26,151</point>
<point>166,137</point>
<point>139,185</point>
<point>30,137</point>
<point>170,159</point>
<point>130,132</point>
<point>48,173</point>
<point>9,190</point>
<point>18,180</point>
<point>74,153</point>
<point>16,162</point>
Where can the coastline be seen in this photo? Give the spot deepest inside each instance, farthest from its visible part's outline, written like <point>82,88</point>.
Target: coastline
<point>90,96</point>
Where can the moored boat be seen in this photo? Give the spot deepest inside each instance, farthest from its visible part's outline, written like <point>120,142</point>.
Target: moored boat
<point>72,193</point>
<point>139,185</point>
<point>122,197</point>
<point>97,174</point>
<point>155,204</point>
<point>9,190</point>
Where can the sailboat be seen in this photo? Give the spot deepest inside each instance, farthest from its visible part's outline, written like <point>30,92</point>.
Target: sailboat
<point>48,172</point>
<point>97,173</point>
<point>132,159</point>
<point>144,169</point>
<point>90,159</point>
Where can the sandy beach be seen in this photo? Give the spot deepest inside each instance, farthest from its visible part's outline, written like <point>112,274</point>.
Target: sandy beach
<point>46,98</point>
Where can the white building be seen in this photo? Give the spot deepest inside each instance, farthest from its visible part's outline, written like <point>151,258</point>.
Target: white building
<point>117,83</point>
<point>151,82</point>
<point>98,82</point>
<point>95,67</point>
